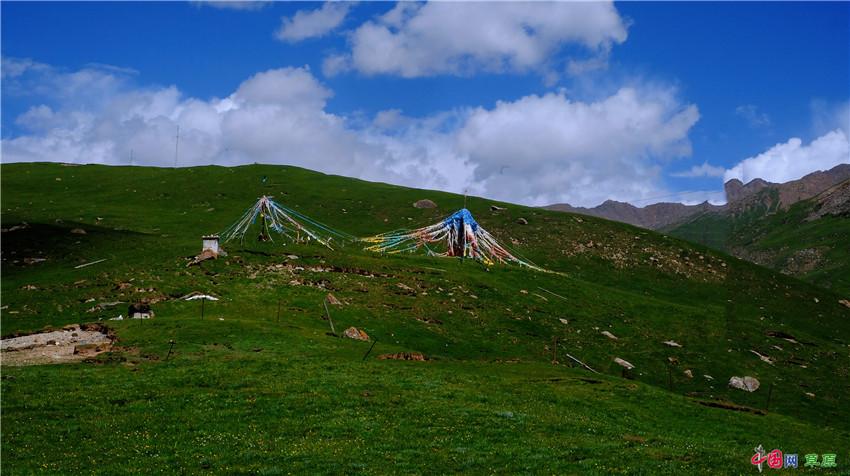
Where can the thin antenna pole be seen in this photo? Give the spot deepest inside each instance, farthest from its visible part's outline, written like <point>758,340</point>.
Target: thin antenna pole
<point>176,145</point>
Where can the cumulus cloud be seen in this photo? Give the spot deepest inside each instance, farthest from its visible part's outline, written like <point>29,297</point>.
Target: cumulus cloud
<point>793,159</point>
<point>753,116</point>
<point>536,150</point>
<point>413,39</point>
<point>586,152</point>
<point>314,23</point>
<point>703,170</point>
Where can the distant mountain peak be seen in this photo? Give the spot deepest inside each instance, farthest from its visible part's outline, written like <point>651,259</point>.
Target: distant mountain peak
<point>738,196</point>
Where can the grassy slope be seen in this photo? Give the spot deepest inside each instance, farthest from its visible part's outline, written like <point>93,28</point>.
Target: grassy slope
<point>250,395</point>
<point>775,237</point>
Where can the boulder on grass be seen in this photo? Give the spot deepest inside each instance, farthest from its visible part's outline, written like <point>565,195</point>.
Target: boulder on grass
<point>355,333</point>
<point>747,384</point>
<point>424,203</point>
<point>623,363</point>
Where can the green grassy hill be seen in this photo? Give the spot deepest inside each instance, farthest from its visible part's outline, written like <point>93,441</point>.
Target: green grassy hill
<point>246,393</point>
<point>794,241</point>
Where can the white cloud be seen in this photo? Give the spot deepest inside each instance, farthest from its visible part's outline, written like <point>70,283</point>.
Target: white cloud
<point>534,150</point>
<point>314,23</point>
<point>414,40</point>
<point>792,160</point>
<point>753,116</point>
<point>703,170</point>
<point>584,153</point>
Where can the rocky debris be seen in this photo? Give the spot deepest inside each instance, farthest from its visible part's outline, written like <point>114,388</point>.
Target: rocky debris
<point>747,384</point>
<point>291,257</point>
<point>105,305</point>
<point>29,287</point>
<point>708,377</point>
<point>688,373</point>
<point>496,208</point>
<point>78,231</point>
<point>424,203</point>
<point>404,287</point>
<point>332,300</point>
<point>522,221</point>
<point>417,356</point>
<point>609,335</point>
<point>834,201</point>
<point>430,320</point>
<point>672,343</point>
<point>355,333</point>
<point>844,302</point>
<point>34,260</point>
<point>22,226</point>
<point>810,394</point>
<point>205,255</point>
<point>564,321</point>
<point>623,363</point>
<point>763,358</point>
<point>782,335</point>
<point>71,343</point>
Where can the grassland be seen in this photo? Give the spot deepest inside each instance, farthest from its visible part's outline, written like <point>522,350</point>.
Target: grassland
<point>246,392</point>
<point>785,240</point>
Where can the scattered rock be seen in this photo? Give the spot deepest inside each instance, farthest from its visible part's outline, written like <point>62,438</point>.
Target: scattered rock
<point>748,384</point>
<point>523,291</point>
<point>417,356</point>
<point>291,257</point>
<point>56,346</point>
<point>355,333</point>
<point>672,343</point>
<point>688,373</point>
<point>522,221</point>
<point>844,302</point>
<point>496,208</point>
<point>22,226</point>
<point>708,377</point>
<point>424,203</point>
<point>403,286</point>
<point>783,336</point>
<point>673,360</point>
<point>810,394</point>
<point>78,231</point>
<point>564,321</point>
<point>609,335</point>
<point>622,363</point>
<point>332,300</point>
<point>763,358</point>
<point>430,320</point>
<point>205,255</point>
<point>29,287</point>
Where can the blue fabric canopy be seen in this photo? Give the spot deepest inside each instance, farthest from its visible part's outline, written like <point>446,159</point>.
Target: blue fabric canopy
<point>458,218</point>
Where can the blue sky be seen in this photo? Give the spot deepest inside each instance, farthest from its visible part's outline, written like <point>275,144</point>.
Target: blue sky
<point>575,104</point>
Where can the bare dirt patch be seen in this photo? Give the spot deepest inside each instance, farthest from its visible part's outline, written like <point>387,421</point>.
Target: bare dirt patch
<point>70,344</point>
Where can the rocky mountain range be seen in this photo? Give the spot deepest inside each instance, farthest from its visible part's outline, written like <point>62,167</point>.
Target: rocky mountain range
<point>739,197</point>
